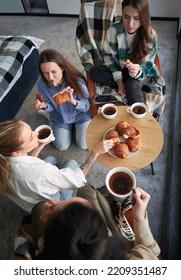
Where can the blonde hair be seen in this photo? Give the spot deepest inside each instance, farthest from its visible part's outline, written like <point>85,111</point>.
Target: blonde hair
<point>10,141</point>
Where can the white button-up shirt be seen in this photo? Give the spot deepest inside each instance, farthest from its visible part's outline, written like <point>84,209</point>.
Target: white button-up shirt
<point>33,180</point>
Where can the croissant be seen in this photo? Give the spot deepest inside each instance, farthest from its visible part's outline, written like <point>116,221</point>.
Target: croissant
<point>116,141</point>
<point>127,62</point>
<point>128,131</point>
<point>136,135</point>
<point>133,144</point>
<point>61,97</point>
<point>120,125</point>
<point>121,150</point>
<point>111,134</point>
<point>39,97</point>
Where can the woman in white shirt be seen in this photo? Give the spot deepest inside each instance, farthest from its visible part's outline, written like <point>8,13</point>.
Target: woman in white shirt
<point>27,179</point>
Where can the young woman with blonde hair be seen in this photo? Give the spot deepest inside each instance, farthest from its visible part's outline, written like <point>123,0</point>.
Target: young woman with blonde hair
<point>27,179</point>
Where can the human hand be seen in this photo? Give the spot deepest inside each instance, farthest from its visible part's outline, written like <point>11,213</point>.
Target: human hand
<point>47,209</point>
<point>121,90</point>
<point>69,92</point>
<point>140,200</point>
<point>40,105</point>
<point>103,147</point>
<point>35,152</point>
<point>133,69</point>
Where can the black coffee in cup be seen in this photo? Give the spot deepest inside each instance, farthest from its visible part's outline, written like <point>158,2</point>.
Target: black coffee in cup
<point>139,110</point>
<point>121,183</point>
<point>109,111</point>
<point>44,133</point>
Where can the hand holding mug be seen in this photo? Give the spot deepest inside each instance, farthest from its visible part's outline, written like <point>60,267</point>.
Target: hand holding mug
<point>141,199</point>
<point>45,134</point>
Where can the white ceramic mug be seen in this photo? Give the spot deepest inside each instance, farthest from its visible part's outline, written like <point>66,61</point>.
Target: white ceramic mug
<point>120,182</point>
<point>108,110</point>
<point>138,110</point>
<point>45,133</point>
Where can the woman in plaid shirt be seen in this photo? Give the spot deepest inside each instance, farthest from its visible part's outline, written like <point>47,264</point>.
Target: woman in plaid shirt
<point>129,51</point>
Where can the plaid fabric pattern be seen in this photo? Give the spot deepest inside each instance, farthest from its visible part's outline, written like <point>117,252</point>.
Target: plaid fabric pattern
<point>94,20</point>
<point>13,52</point>
<point>116,51</point>
<point>154,94</point>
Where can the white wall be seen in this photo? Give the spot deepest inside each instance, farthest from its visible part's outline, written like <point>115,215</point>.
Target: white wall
<point>11,6</point>
<point>165,8</point>
<point>64,6</point>
<point>158,8</point>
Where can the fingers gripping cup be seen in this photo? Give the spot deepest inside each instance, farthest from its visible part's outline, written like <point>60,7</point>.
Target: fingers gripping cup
<point>120,182</point>
<point>138,110</point>
<point>45,133</point>
<point>109,110</point>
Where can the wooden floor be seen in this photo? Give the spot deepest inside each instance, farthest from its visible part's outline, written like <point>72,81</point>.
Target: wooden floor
<point>173,205</point>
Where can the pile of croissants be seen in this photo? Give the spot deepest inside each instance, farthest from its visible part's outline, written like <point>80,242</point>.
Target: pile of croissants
<point>131,139</point>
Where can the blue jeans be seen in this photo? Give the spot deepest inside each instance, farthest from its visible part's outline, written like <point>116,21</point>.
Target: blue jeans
<point>64,193</point>
<point>63,137</point>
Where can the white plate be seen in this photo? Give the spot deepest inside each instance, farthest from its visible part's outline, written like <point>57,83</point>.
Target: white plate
<point>123,140</point>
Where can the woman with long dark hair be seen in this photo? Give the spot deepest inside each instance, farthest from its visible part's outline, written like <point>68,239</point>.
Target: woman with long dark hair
<point>57,73</point>
<point>129,51</point>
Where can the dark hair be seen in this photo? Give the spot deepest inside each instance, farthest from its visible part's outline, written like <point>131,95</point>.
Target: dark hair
<point>145,31</point>
<point>78,232</point>
<point>70,73</point>
<point>10,141</point>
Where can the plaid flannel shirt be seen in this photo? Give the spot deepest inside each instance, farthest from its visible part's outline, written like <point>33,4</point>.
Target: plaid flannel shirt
<point>116,51</point>
<point>96,19</point>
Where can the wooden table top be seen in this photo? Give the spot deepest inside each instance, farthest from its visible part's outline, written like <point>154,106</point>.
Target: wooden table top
<point>151,137</point>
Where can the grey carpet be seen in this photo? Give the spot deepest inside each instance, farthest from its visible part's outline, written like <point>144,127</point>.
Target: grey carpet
<point>59,33</point>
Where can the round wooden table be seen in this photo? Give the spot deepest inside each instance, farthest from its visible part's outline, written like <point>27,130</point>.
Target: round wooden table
<point>151,135</point>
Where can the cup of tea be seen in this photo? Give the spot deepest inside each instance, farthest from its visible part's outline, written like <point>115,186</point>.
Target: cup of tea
<point>120,182</point>
<point>109,110</point>
<point>45,133</point>
<point>138,110</point>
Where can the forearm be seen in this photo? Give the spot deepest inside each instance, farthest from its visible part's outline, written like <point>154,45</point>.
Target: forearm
<point>36,151</point>
<point>83,105</point>
<point>86,166</point>
<point>144,236</point>
<point>101,148</point>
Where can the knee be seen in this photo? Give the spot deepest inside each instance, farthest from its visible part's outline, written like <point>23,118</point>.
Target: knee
<point>132,84</point>
<point>133,91</point>
<point>71,163</point>
<point>81,140</point>
<point>51,159</point>
<point>61,146</point>
<point>82,146</point>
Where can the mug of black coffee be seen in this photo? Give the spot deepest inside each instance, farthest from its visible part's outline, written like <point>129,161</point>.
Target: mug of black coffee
<point>138,110</point>
<point>109,111</point>
<point>120,182</point>
<point>45,133</point>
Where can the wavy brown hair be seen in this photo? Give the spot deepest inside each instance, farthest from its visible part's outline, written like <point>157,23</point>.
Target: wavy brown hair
<point>144,33</point>
<point>10,141</point>
<point>70,73</point>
